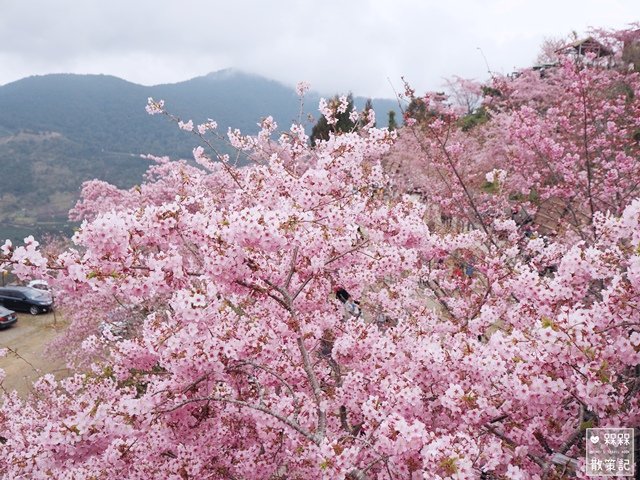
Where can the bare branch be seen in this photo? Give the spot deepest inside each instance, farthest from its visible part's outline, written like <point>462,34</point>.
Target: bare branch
<point>285,293</point>
<point>263,291</point>
<point>294,425</point>
<point>292,269</point>
<point>338,257</point>
<point>299,291</point>
<point>315,386</point>
<point>279,377</point>
<point>513,444</point>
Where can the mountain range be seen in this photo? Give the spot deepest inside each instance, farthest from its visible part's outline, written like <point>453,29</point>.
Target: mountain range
<point>59,130</point>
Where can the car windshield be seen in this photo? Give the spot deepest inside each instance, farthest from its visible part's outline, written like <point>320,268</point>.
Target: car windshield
<point>5,311</point>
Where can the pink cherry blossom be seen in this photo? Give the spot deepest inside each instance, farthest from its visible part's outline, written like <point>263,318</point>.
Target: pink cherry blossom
<point>492,308</point>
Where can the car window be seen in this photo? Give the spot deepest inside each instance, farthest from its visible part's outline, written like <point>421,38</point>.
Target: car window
<point>35,294</point>
<point>10,294</point>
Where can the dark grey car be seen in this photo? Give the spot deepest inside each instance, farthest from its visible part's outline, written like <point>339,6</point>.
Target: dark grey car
<point>26,299</point>
<point>7,317</point>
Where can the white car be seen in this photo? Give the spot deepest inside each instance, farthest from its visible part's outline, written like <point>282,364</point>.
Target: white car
<point>39,284</point>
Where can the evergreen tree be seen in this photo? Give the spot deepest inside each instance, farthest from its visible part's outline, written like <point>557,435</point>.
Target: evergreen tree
<point>393,125</point>
<point>364,119</point>
<point>321,129</point>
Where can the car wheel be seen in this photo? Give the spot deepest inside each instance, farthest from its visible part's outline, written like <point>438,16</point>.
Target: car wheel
<point>34,310</point>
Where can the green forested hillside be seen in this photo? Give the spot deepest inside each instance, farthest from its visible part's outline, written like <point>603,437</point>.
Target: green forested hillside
<point>59,130</point>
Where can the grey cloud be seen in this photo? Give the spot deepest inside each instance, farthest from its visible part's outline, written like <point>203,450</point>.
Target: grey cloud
<point>336,45</point>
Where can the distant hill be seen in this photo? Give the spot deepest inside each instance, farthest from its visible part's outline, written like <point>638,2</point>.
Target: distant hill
<point>59,130</point>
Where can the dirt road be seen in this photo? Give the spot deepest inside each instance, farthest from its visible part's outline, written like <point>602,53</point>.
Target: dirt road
<point>28,338</point>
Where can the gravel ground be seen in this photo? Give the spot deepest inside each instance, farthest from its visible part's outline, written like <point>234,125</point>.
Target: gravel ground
<point>28,338</point>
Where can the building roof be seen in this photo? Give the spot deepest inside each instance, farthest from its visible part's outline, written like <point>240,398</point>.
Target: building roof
<point>587,45</point>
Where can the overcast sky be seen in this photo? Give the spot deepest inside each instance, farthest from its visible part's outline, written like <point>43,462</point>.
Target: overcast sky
<point>357,45</point>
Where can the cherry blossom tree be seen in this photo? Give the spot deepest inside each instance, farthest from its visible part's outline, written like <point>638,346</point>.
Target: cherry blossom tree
<point>577,147</point>
<point>476,353</point>
<point>567,138</point>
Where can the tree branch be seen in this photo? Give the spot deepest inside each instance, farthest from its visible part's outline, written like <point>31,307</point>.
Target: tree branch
<point>279,377</point>
<point>513,444</point>
<point>294,425</point>
<point>315,387</point>
<point>338,257</point>
<point>292,269</point>
<point>258,289</point>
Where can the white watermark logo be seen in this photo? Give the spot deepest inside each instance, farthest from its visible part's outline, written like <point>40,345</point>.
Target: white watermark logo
<point>610,452</point>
